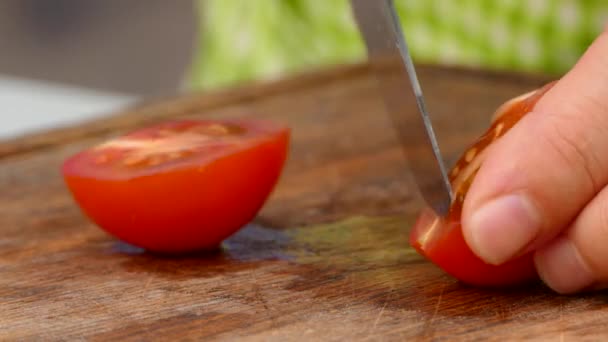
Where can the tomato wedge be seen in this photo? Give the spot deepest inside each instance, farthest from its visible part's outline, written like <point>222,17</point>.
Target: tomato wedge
<point>441,240</point>
<point>179,186</point>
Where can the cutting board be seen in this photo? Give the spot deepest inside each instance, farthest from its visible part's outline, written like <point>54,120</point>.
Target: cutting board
<point>327,258</point>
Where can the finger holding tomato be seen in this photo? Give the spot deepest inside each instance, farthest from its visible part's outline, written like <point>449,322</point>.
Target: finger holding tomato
<point>441,239</point>
<point>536,195</point>
<point>179,186</point>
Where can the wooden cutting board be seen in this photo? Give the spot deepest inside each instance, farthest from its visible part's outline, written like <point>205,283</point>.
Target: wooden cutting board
<point>327,258</point>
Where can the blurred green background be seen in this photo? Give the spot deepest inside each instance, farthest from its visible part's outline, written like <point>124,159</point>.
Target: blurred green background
<point>261,39</point>
<point>151,47</point>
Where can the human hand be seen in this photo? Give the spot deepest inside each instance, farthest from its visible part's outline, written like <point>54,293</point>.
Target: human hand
<point>543,186</point>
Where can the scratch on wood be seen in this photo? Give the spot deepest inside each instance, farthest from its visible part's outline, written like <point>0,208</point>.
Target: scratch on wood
<point>146,285</point>
<point>437,306</point>
<point>260,298</point>
<point>561,321</point>
<point>427,329</point>
<point>373,329</point>
<point>377,320</point>
<point>379,316</point>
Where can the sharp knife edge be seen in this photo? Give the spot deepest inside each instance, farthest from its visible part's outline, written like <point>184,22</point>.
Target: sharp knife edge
<point>380,27</point>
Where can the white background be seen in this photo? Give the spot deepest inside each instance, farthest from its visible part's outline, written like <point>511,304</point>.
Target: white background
<point>28,106</point>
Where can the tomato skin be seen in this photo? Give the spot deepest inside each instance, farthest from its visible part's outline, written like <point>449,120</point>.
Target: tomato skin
<point>440,239</point>
<point>182,209</point>
<point>448,249</point>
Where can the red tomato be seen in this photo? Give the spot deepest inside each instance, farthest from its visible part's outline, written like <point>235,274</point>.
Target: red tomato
<point>441,240</point>
<point>179,186</point>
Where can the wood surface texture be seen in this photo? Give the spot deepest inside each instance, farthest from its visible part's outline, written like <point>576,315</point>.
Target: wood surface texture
<point>326,260</point>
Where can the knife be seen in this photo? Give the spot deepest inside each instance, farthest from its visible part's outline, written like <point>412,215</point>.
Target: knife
<point>387,48</point>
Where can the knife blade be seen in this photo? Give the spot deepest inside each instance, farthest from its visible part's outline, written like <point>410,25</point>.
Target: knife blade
<point>386,45</point>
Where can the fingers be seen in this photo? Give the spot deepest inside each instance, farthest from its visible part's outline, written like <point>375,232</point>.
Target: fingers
<point>578,260</point>
<point>537,178</point>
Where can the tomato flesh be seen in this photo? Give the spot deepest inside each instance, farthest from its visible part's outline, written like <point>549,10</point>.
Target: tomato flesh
<point>179,186</point>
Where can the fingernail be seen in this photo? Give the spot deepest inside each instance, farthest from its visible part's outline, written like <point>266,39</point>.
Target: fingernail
<point>562,268</point>
<point>503,227</point>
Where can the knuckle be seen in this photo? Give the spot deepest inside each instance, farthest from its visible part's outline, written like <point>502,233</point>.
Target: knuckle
<point>570,137</point>
<point>602,221</point>
<point>591,246</point>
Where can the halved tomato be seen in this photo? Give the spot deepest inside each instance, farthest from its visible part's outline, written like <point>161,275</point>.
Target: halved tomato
<point>441,240</point>
<point>179,186</point>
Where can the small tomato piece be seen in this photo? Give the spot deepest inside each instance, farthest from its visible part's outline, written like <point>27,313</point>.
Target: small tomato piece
<point>179,186</point>
<point>440,239</point>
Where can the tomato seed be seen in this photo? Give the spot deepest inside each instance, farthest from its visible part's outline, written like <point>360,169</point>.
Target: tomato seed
<point>102,159</point>
<point>156,160</point>
<point>498,129</point>
<point>166,132</point>
<point>455,171</point>
<point>470,154</point>
<point>217,129</point>
<point>135,160</point>
<point>175,155</point>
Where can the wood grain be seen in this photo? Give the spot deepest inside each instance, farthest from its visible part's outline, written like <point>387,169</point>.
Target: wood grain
<point>327,258</point>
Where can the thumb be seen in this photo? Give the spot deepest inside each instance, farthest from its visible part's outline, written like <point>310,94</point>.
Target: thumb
<point>539,175</point>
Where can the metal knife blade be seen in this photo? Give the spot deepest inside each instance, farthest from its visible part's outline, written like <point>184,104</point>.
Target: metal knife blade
<point>386,46</point>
